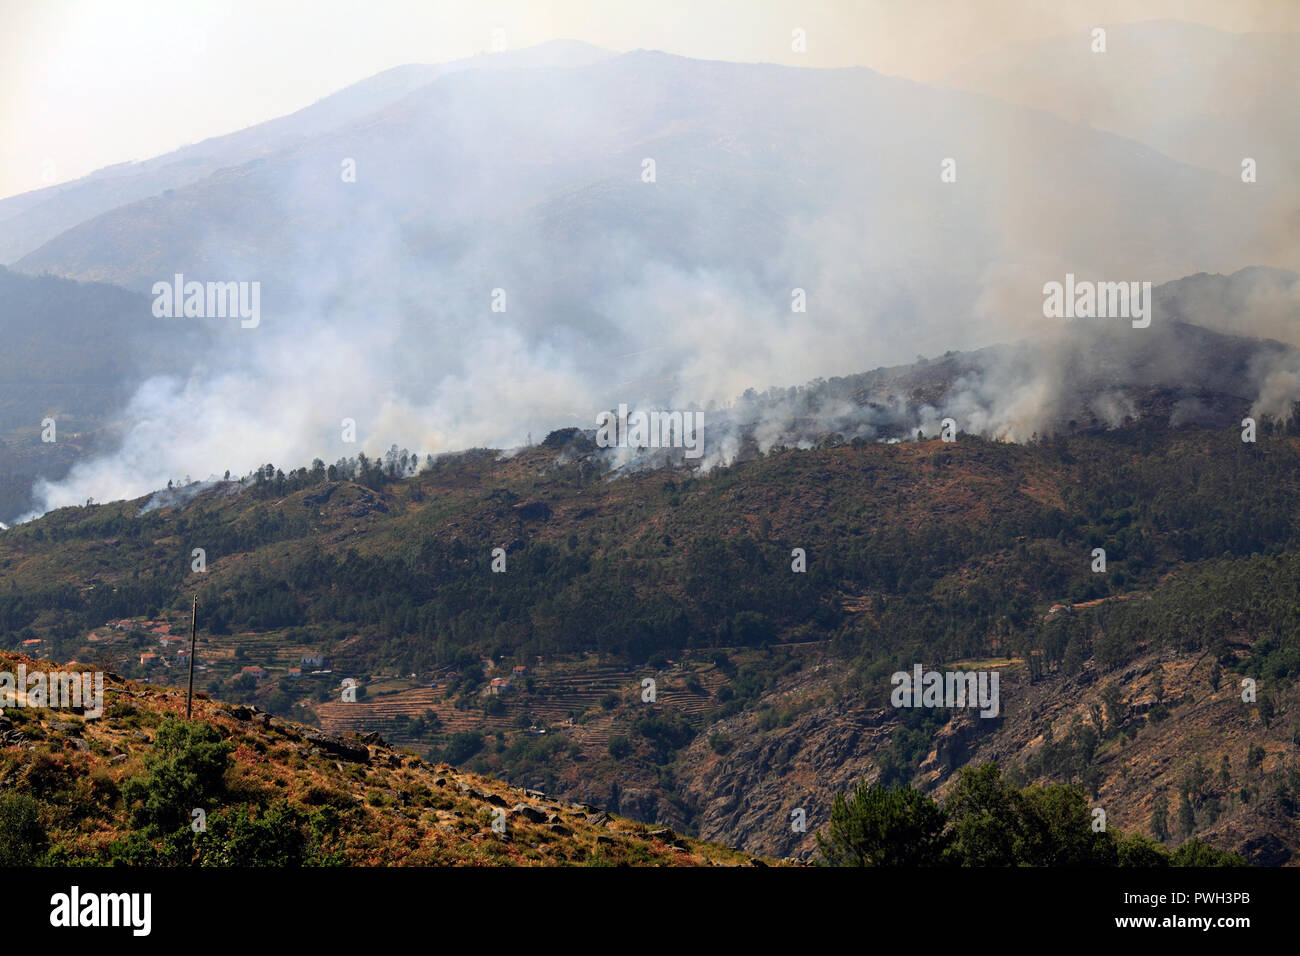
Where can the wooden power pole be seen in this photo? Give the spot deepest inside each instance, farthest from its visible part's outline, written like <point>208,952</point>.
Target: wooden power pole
<point>189,697</point>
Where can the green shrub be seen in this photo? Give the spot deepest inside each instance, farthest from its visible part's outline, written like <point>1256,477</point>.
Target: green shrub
<point>881,826</point>
<point>281,836</point>
<point>185,770</point>
<point>462,747</point>
<point>1137,849</point>
<point>1195,853</point>
<point>22,837</point>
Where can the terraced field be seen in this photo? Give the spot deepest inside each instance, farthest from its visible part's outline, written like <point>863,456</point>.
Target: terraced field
<point>561,693</point>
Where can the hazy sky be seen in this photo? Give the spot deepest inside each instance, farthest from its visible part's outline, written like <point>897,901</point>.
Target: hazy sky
<point>88,83</point>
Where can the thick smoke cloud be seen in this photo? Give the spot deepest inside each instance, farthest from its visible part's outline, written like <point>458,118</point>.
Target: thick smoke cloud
<point>377,295</point>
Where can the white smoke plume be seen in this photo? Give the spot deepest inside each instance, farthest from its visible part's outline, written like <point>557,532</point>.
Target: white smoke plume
<point>677,294</point>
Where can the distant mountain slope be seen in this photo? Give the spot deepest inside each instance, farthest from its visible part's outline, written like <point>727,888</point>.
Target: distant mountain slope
<point>30,219</point>
<point>1201,95</point>
<point>76,353</point>
<point>1191,366</point>
<point>766,175</point>
<point>61,332</point>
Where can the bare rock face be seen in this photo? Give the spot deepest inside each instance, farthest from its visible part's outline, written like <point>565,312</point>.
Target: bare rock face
<point>954,746</point>
<point>748,797</point>
<point>639,804</point>
<point>339,747</point>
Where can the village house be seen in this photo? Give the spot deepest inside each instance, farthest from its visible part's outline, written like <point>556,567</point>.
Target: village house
<point>148,659</point>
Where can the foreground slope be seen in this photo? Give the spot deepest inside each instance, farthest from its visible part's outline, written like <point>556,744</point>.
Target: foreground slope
<point>289,794</point>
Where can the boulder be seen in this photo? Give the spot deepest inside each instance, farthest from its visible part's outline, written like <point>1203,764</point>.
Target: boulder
<point>529,813</point>
<point>340,747</point>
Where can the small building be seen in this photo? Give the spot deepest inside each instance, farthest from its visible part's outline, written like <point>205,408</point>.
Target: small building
<point>33,642</point>
<point>295,671</point>
<point>253,671</point>
<point>312,660</point>
<point>148,659</point>
<point>520,670</point>
<point>499,685</point>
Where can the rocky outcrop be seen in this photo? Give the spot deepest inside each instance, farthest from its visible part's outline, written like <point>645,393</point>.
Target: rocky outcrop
<point>339,747</point>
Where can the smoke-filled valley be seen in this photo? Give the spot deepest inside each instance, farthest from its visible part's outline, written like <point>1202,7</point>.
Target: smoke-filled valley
<point>501,267</point>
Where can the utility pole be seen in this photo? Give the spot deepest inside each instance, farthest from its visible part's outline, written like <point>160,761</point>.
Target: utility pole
<point>189,697</point>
